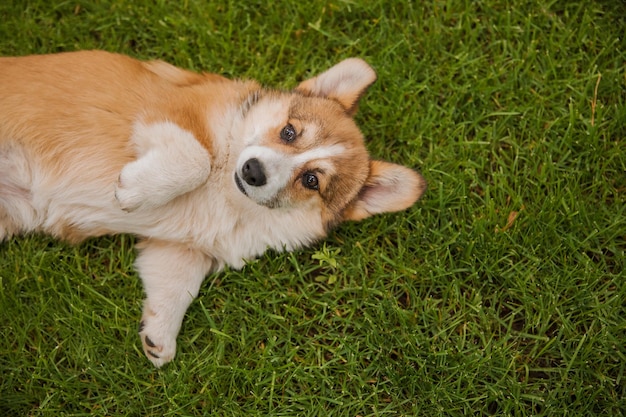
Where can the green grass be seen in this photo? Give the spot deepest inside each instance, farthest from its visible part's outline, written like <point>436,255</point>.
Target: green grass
<point>501,293</point>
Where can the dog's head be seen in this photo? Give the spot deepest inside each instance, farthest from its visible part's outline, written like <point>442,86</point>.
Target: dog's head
<point>303,149</point>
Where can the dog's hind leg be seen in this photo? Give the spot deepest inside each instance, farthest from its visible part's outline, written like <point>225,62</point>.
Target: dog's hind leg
<point>172,275</point>
<point>8,225</point>
<point>17,214</point>
<point>170,162</point>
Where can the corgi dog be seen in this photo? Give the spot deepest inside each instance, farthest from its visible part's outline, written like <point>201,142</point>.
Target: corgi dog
<point>205,170</point>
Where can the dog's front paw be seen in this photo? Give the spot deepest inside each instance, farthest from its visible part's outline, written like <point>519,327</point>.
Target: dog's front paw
<point>132,191</point>
<point>126,198</point>
<point>135,189</point>
<point>158,346</point>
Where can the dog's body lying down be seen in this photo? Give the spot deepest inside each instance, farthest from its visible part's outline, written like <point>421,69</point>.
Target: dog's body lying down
<point>207,171</point>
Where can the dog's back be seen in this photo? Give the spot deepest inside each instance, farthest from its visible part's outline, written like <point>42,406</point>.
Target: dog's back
<point>66,122</point>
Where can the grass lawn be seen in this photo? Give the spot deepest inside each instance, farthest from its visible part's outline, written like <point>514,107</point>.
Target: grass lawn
<point>502,292</point>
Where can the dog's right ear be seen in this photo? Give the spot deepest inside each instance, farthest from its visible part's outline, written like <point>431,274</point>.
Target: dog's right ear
<point>388,188</point>
<point>345,82</point>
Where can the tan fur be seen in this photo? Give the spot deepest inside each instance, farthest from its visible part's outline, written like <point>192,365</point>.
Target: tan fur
<point>55,101</point>
<point>196,165</point>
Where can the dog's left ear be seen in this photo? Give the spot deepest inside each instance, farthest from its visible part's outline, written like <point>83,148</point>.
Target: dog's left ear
<point>388,188</point>
<point>345,82</point>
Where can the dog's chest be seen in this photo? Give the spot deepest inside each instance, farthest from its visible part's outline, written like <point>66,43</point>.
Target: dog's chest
<point>234,235</point>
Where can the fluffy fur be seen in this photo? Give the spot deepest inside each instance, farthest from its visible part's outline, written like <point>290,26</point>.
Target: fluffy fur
<point>207,171</point>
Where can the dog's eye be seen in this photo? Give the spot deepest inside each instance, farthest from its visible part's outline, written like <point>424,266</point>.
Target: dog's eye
<point>288,134</point>
<point>310,181</point>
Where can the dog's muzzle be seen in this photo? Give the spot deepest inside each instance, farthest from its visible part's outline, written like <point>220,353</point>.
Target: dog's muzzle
<point>240,185</point>
<point>253,173</point>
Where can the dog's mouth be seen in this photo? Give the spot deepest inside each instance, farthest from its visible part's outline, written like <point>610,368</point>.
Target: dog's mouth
<point>240,185</point>
<point>272,203</point>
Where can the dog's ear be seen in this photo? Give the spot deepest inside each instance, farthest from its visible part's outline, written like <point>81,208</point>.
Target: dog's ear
<point>388,188</point>
<point>345,82</point>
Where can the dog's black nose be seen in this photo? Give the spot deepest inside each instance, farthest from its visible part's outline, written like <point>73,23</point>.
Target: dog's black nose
<point>253,173</point>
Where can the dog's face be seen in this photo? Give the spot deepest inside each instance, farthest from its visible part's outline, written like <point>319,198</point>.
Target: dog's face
<point>302,149</point>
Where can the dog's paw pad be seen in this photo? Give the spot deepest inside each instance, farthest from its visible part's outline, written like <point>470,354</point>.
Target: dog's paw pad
<point>151,346</point>
<point>159,350</point>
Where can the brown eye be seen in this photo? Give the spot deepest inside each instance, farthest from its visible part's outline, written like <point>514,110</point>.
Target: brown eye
<point>310,181</point>
<point>288,134</point>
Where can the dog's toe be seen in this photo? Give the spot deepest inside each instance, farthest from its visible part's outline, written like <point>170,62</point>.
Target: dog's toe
<point>158,349</point>
<point>127,200</point>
